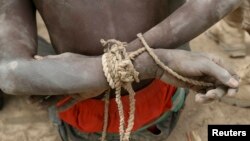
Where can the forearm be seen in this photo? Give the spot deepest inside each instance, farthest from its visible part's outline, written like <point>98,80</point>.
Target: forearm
<point>187,22</point>
<point>55,76</point>
<point>68,75</point>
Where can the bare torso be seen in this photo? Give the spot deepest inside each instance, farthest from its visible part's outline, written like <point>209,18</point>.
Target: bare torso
<point>78,25</point>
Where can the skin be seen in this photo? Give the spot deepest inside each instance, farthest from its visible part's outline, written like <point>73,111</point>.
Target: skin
<point>77,26</point>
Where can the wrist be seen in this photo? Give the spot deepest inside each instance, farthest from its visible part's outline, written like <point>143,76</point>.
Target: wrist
<point>136,44</point>
<point>165,56</point>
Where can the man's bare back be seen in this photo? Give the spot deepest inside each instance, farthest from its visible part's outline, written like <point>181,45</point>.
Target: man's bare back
<point>77,26</point>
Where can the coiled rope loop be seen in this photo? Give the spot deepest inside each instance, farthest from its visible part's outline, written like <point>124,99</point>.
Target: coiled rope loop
<point>120,72</point>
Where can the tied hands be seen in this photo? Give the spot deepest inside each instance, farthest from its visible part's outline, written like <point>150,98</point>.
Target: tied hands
<point>193,65</point>
<point>203,67</point>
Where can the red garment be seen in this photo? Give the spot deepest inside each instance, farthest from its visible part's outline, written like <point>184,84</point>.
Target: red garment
<point>151,102</point>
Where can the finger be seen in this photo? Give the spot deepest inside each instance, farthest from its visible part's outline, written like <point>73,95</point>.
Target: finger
<point>216,93</point>
<point>201,98</point>
<point>221,74</point>
<point>225,65</point>
<point>38,57</point>
<point>221,63</point>
<point>232,92</point>
<point>211,94</point>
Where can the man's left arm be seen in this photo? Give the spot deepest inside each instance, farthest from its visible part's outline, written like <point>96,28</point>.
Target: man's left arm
<point>187,22</point>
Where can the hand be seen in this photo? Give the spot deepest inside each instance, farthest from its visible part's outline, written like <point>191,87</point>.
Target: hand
<point>201,67</point>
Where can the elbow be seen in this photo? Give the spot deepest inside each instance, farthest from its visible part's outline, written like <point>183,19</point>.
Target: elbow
<point>9,89</point>
<point>7,78</point>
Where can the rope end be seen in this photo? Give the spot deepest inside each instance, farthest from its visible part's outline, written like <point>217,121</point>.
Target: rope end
<point>139,35</point>
<point>103,42</point>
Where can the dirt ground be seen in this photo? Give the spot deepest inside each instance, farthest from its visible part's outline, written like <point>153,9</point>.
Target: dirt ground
<point>20,121</point>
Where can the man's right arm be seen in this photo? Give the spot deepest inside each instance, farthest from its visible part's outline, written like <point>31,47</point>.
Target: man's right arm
<point>20,73</point>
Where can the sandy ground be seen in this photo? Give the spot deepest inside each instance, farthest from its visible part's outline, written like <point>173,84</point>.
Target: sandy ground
<point>20,121</point>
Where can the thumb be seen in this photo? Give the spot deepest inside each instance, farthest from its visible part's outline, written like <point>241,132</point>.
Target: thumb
<point>221,74</point>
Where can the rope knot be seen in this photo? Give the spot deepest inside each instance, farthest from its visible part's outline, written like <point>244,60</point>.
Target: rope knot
<point>127,72</point>
<point>119,67</point>
<point>113,45</point>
